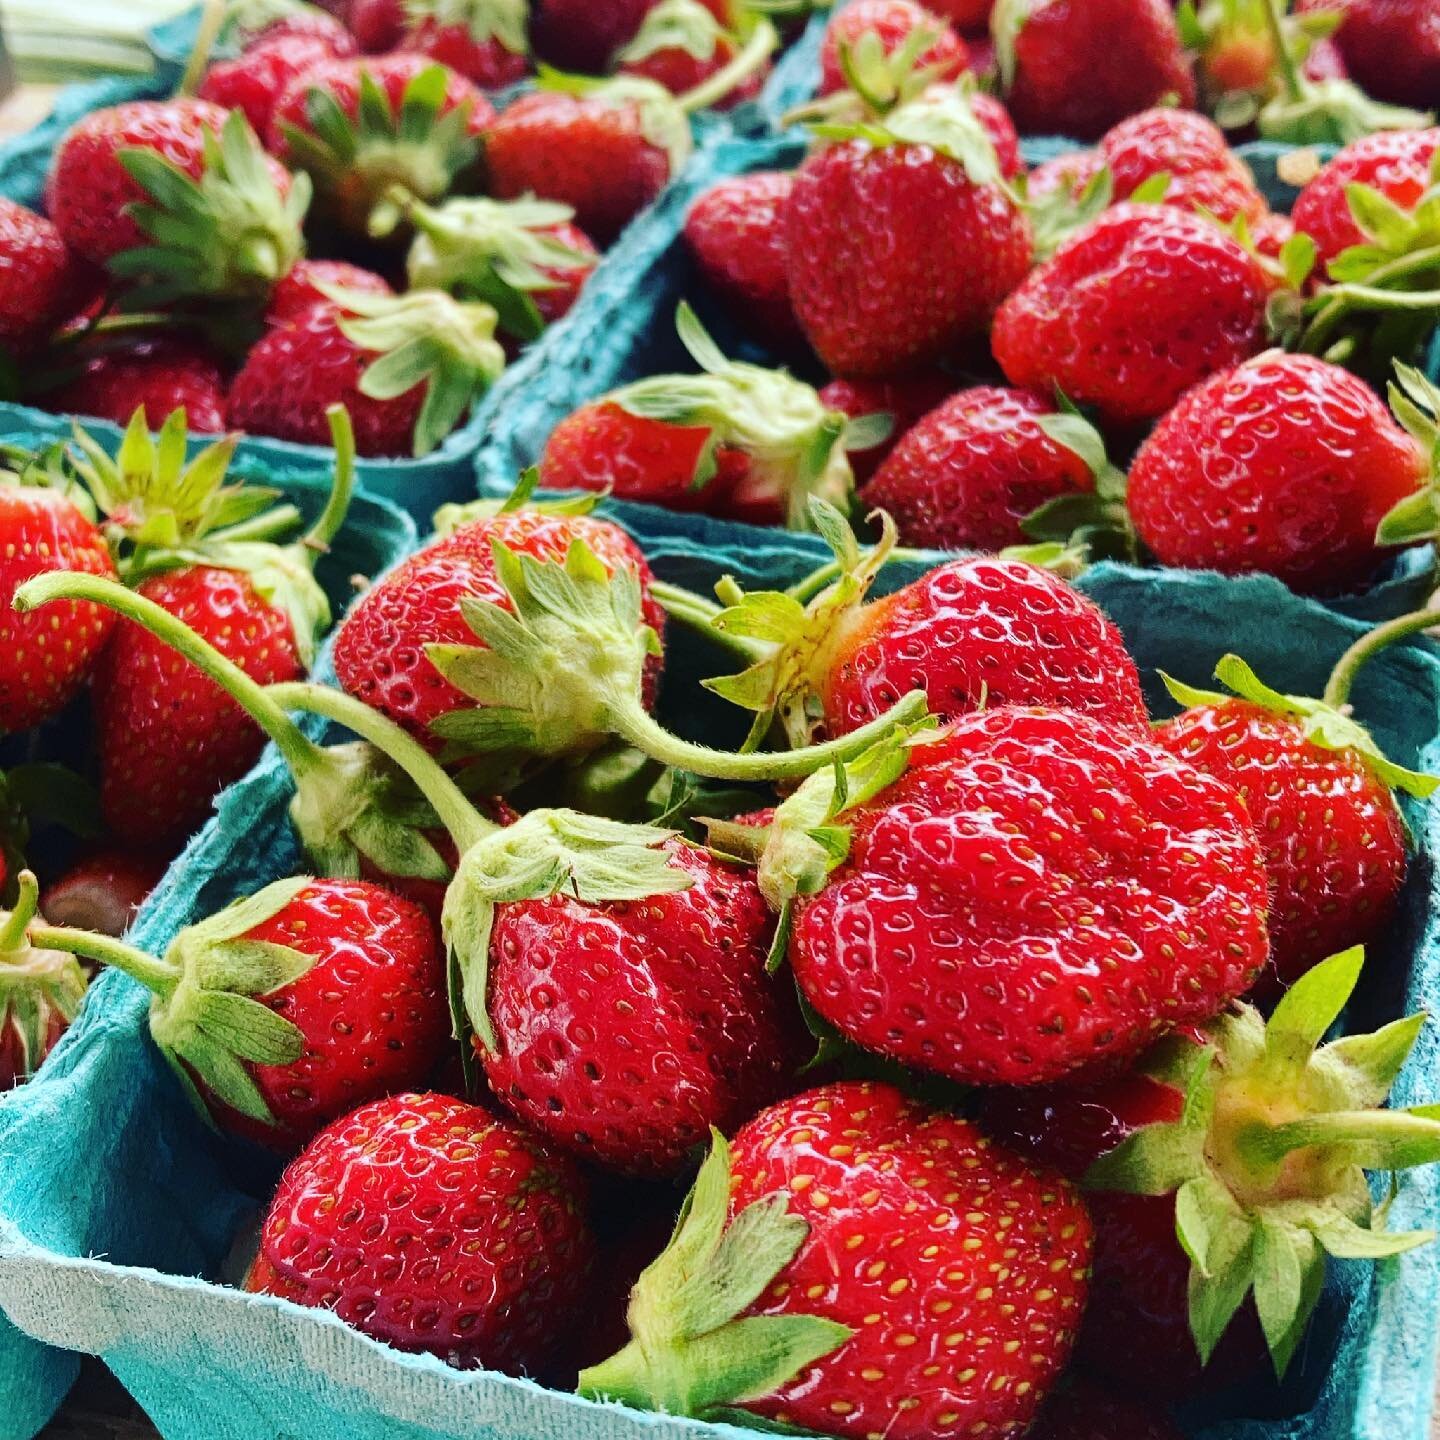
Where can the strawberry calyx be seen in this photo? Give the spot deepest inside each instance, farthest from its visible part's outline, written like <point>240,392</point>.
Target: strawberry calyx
<point>664,123</point>
<point>206,1014</point>
<point>1325,723</point>
<point>451,516</point>
<point>1415,399</point>
<point>684,25</point>
<point>242,21</point>
<point>691,1353</point>
<point>1268,1160</point>
<point>40,988</point>
<point>232,233</point>
<point>504,21</point>
<point>500,252</point>
<point>796,446</point>
<point>1055,216</point>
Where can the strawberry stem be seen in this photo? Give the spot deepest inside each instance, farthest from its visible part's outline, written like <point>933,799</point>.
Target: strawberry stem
<point>265,526</point>
<point>316,540</point>
<point>738,842</point>
<point>1335,302</point>
<point>697,613</point>
<point>1342,678</point>
<point>1289,71</point>
<point>751,56</point>
<point>1407,1139</point>
<point>12,935</point>
<point>212,18</point>
<point>157,976</point>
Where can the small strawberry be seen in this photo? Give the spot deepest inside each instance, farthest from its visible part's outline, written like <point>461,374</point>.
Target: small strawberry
<point>361,127</point>
<point>309,283</point>
<point>153,374</point>
<point>45,660</point>
<point>890,24</point>
<point>487,1252</point>
<point>1075,67</point>
<point>405,367</point>
<point>291,1006</point>
<point>40,991</point>
<point>102,892</point>
<point>682,45</point>
<point>1133,310</point>
<point>254,80</point>
<point>483,40</point>
<point>735,233</point>
<point>796,1290</point>
<point>902,241</point>
<point>1285,465</point>
<point>1084,1411</point>
<point>904,400</point>
<point>1392,48</point>
<point>736,439</point>
<point>41,282</point>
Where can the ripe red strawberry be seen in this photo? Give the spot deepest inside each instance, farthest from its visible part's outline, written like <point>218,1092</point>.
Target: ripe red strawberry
<point>377,25</point>
<point>892,23</point>
<point>1286,465</point>
<point>967,474</point>
<point>1038,850</point>
<point>300,290</point>
<point>487,1253</point>
<point>103,891</point>
<point>1133,310</point>
<point>254,81</point>
<point>905,400</point>
<point>1083,1411</point>
<point>682,44</point>
<point>345,353</point>
<point>246,26</point>
<point>44,660</point>
<point>1392,48</point>
<point>40,992</point>
<point>606,152</point>
<point>380,647</point>
<point>419,130</point>
<point>41,282</point>
<point>735,233</point>
<point>483,40</point>
<point>900,250</point>
<point>581,35</point>
<point>909,1279</point>
<point>1076,67</point>
<point>155,375</point>
<point>969,17</point>
<point>1069,172</point>
<point>1319,792</point>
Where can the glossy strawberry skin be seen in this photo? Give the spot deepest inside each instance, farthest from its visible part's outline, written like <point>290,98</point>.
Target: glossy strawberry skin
<point>1394,162</point>
<point>1332,834</point>
<point>378,648</point>
<point>626,1030</point>
<point>920,1231</point>
<point>296,371</point>
<point>905,400</point>
<point>893,21</point>
<point>567,281</point>
<point>1392,48</point>
<point>430,1225</point>
<point>169,738</point>
<point>1284,465</point>
<point>967,474</point>
<point>378,25</point>
<point>981,632</point>
<point>1132,311</point>
<point>41,282</point>
<point>486,63</point>
<point>299,290</point>
<point>1038,894</point>
<point>45,656</point>
<point>895,257</point>
<point>588,153</point>
<point>1083,1411</point>
<point>735,233</point>
<point>1082,65</point>
<point>995,118</point>
<point>255,81</point>
<point>160,375</point>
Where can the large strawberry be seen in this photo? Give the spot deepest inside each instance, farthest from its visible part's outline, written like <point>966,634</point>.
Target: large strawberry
<point>405,367</point>
<point>735,439</point>
<point>40,991</point>
<point>1075,67</point>
<point>1024,896</point>
<point>1133,310</point>
<point>1286,464</point>
<point>155,374</point>
<point>903,240</point>
<point>890,25</point>
<point>858,1265</point>
<point>291,1006</point>
<point>41,282</point>
<point>1247,1145</point>
<point>488,1251</point>
<point>483,40</point>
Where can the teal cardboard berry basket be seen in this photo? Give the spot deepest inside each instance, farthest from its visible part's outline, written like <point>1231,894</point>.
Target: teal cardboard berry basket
<point>118,1209</point>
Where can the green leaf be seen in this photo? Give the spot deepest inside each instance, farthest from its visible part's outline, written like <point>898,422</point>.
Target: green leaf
<point>258,967</point>
<point>1310,1007</point>
<point>248,1029</point>
<point>243,915</point>
<point>1410,521</point>
<point>1347,1240</point>
<point>1153,1161</point>
<point>1289,1273</point>
<point>1214,1297</point>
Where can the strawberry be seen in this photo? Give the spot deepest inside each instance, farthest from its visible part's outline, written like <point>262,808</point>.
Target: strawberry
<point>177,196</point>
<point>735,233</point>
<point>828,1314</point>
<point>361,127</point>
<point>1286,465</point>
<point>1309,1122</point>
<point>682,45</point>
<point>405,367</point>
<point>102,892</point>
<point>582,35</point>
<point>425,1171</point>
<point>1084,1411</point>
<point>891,23</point>
<point>483,40</point>
<point>46,660</point>
<point>40,991</point>
<point>904,400</point>
<point>966,475</point>
<point>969,17</point>
<point>736,439</point>
<point>308,283</point>
<point>1319,792</point>
<point>378,25</point>
<point>1392,48</point>
<point>902,241</point>
<point>41,282</point>
<point>289,1007</point>
<point>695,1037</point>
<point>1075,67</point>
<point>606,150</point>
<point>1068,173</point>
<point>260,22</point>
<point>153,374</point>
<point>1133,310</point>
<point>254,81</point>
<point>1140,869</point>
